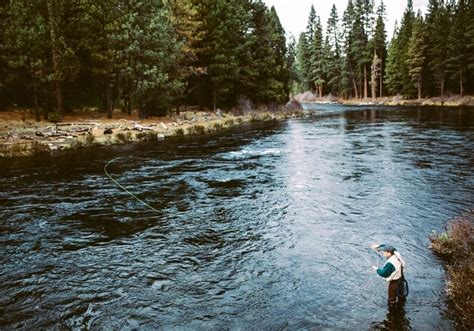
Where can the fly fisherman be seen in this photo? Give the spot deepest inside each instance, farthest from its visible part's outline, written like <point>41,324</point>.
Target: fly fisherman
<point>392,270</point>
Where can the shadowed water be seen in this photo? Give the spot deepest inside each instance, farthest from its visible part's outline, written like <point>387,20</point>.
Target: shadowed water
<point>267,227</point>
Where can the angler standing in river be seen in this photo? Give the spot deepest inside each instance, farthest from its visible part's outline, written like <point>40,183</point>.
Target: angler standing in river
<point>392,270</point>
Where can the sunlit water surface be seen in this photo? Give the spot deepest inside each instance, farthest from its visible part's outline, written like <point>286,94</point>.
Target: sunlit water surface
<point>266,227</point>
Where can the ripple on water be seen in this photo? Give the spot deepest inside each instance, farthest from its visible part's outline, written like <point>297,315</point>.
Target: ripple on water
<point>257,229</point>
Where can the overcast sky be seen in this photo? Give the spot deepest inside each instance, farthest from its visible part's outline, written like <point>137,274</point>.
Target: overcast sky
<point>294,13</point>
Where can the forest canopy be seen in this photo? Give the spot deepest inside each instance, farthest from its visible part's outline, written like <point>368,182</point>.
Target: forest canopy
<point>155,55</point>
<point>148,55</point>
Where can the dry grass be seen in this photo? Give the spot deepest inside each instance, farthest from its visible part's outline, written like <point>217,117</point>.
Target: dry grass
<point>455,247</point>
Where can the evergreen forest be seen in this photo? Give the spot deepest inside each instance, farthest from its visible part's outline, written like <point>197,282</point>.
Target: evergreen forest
<point>429,55</point>
<point>157,55</point>
<point>150,55</point>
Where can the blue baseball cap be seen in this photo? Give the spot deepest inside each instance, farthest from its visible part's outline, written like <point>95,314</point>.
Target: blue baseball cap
<point>387,248</point>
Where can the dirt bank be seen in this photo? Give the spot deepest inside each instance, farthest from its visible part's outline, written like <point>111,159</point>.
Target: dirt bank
<point>452,101</point>
<point>21,135</point>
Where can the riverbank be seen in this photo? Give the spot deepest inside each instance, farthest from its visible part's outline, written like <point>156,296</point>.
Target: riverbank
<point>453,101</point>
<point>455,247</point>
<point>21,135</point>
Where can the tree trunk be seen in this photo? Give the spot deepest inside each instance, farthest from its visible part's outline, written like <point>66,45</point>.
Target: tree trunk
<point>55,57</point>
<point>214,99</point>
<point>129,103</point>
<point>442,87</point>
<point>461,87</point>
<point>109,101</point>
<point>381,81</point>
<point>35,100</point>
<point>373,82</point>
<point>365,82</point>
<point>419,87</point>
<point>355,88</point>
<point>178,112</point>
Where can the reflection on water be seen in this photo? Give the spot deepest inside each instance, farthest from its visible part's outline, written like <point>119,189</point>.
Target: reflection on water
<point>262,228</point>
<point>396,319</point>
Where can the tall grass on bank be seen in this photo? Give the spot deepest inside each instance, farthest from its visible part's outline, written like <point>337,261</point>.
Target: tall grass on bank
<point>455,247</point>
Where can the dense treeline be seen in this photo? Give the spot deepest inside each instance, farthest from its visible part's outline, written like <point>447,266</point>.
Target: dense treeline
<point>427,56</point>
<point>152,55</point>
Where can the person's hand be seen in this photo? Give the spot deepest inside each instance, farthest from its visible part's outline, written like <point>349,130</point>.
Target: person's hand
<point>374,246</point>
<point>373,268</point>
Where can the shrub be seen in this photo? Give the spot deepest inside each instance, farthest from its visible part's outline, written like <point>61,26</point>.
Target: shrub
<point>76,144</point>
<point>141,136</point>
<point>229,123</point>
<point>179,132</point>
<point>217,126</point>
<point>90,139</point>
<point>151,135</point>
<point>457,241</point>
<point>121,138</point>
<point>54,117</point>
<point>196,130</point>
<point>455,246</point>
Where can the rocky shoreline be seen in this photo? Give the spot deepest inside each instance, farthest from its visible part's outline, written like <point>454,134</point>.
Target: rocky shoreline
<point>20,135</point>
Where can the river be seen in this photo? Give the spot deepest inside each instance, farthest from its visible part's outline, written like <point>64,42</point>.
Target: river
<point>266,227</point>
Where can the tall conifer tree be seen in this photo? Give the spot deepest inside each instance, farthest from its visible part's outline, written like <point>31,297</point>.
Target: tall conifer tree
<point>458,58</point>
<point>417,53</point>
<point>379,44</point>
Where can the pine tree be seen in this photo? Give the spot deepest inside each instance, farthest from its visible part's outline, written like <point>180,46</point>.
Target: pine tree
<point>393,74</point>
<point>470,45</point>
<point>348,72</point>
<point>224,51</point>
<point>310,27</point>
<point>362,31</point>
<point>25,42</point>
<point>303,62</point>
<point>185,23</point>
<point>3,57</point>
<point>153,56</point>
<point>438,26</point>
<point>379,44</point>
<point>316,68</point>
<point>457,61</point>
<point>417,52</point>
<point>291,64</point>
<point>260,80</point>
<point>103,21</point>
<point>358,45</point>
<point>333,53</point>
<point>404,36</point>
<point>58,50</point>
<point>281,71</point>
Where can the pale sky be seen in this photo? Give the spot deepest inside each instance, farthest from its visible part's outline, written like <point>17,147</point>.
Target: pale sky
<point>294,13</point>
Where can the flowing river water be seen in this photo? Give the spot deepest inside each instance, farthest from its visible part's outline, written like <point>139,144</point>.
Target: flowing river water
<point>263,228</point>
